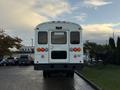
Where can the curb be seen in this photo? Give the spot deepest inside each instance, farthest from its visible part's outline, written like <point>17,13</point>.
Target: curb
<point>88,81</point>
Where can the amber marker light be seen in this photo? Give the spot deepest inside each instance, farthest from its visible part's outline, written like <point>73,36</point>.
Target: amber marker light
<point>38,49</point>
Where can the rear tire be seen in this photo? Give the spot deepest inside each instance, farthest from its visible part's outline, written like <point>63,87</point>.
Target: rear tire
<point>70,74</point>
<point>46,74</point>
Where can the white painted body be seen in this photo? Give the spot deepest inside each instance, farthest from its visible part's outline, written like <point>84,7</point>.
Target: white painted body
<point>51,27</point>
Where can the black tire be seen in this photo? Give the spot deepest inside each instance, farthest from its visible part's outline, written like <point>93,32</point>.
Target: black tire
<point>45,74</point>
<point>70,74</point>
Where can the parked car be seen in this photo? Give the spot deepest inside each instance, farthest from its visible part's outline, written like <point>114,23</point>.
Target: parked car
<point>11,60</point>
<point>1,58</point>
<point>16,60</point>
<point>4,63</point>
<point>25,60</point>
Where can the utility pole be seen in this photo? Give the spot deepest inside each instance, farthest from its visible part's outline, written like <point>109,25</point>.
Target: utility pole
<point>32,42</point>
<point>31,47</point>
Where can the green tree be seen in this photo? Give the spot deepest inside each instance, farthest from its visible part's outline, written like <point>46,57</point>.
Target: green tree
<point>7,42</point>
<point>112,50</point>
<point>118,42</point>
<point>118,51</point>
<point>97,51</point>
<point>112,43</point>
<point>90,46</point>
<point>93,49</point>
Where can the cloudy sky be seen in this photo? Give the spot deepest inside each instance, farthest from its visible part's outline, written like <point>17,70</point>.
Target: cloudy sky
<point>99,18</point>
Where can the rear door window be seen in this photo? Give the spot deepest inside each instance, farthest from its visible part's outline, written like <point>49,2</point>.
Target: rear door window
<point>75,37</point>
<point>59,55</point>
<point>58,37</point>
<point>42,37</point>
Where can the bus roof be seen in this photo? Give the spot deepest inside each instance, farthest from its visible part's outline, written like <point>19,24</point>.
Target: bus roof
<point>60,24</point>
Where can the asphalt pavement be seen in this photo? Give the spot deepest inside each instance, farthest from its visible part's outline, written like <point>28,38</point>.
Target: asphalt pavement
<point>26,78</point>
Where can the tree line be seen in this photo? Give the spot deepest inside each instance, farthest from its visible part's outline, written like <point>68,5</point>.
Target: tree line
<point>108,53</point>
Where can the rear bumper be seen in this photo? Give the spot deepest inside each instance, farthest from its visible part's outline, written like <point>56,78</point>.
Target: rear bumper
<point>62,66</point>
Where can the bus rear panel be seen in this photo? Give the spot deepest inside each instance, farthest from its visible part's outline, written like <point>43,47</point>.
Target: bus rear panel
<point>58,46</point>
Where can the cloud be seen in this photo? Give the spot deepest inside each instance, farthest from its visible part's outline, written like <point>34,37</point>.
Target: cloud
<point>19,17</point>
<point>96,3</point>
<point>28,13</point>
<point>82,17</point>
<point>17,13</point>
<point>52,8</point>
<point>100,32</point>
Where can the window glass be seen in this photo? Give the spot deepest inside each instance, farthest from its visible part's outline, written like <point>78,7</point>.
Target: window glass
<point>75,37</point>
<point>42,38</point>
<point>59,55</point>
<point>58,38</point>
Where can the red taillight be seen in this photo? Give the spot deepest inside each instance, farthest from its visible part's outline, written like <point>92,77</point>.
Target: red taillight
<point>78,49</point>
<point>40,49</point>
<point>75,49</point>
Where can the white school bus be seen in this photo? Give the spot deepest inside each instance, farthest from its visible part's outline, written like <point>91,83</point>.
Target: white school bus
<point>58,47</point>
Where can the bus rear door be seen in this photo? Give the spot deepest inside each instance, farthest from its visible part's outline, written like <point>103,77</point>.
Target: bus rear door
<point>59,49</point>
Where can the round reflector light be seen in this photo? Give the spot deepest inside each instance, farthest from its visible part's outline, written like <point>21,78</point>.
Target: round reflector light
<point>38,49</point>
<point>74,49</point>
<point>42,49</point>
<point>78,49</point>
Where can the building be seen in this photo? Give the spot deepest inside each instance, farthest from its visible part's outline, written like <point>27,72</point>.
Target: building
<point>24,50</point>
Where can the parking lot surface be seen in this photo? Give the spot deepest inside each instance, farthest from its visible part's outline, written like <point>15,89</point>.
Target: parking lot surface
<point>26,78</point>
